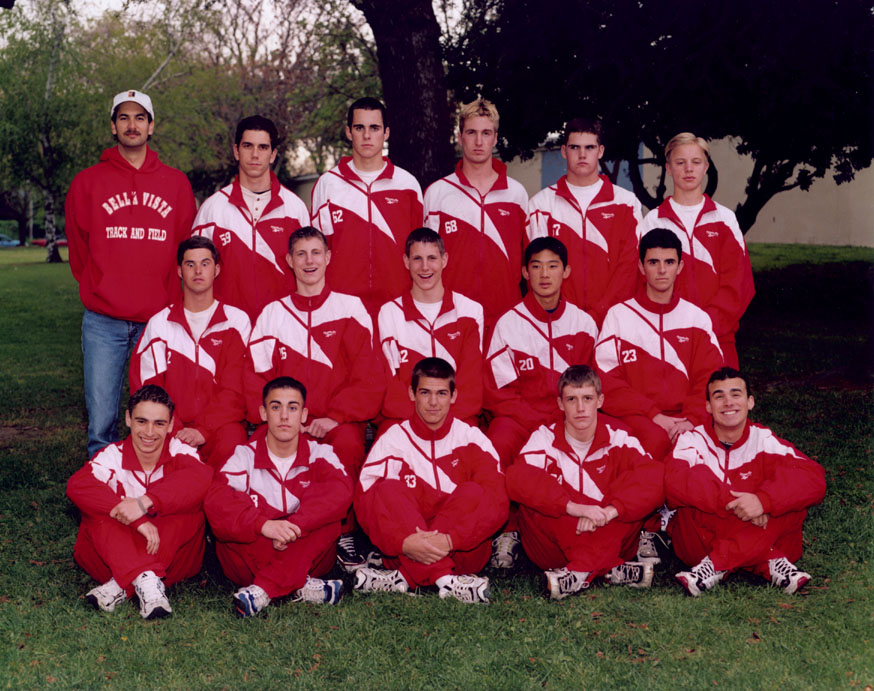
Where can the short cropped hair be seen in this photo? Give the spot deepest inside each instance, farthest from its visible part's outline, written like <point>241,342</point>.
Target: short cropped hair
<point>538,245</point>
<point>197,242</point>
<point>660,237</point>
<point>367,103</point>
<point>724,373</point>
<point>579,375</point>
<point>152,393</point>
<point>283,383</point>
<point>260,124</point>
<point>435,368</point>
<point>583,126</point>
<point>478,108</point>
<point>686,138</point>
<point>306,233</point>
<point>432,237</point>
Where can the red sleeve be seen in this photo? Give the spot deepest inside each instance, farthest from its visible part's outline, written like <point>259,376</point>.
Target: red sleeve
<point>361,397</point>
<point>620,397</point>
<point>500,366</point>
<point>792,482</point>
<point>90,495</point>
<point>736,287</point>
<point>327,499</point>
<point>638,487</point>
<point>693,485</point>
<point>536,489</point>
<point>492,512</point>
<point>707,358</point>
<point>228,403</point>
<point>624,257</point>
<point>183,487</point>
<point>76,229</point>
<point>469,376</point>
<point>232,514</point>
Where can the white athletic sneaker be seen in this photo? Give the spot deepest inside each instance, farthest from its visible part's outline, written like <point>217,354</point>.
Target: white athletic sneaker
<point>371,580</point>
<point>466,588</point>
<point>634,574</point>
<point>700,578</point>
<point>250,600</point>
<point>106,596</point>
<point>318,590</point>
<point>563,582</point>
<point>646,548</point>
<point>505,550</point>
<point>153,599</point>
<point>785,575</point>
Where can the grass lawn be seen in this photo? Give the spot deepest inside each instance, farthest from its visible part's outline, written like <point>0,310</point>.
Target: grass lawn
<point>806,343</point>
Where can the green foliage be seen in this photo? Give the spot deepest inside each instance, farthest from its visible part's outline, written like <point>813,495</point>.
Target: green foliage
<point>798,350</point>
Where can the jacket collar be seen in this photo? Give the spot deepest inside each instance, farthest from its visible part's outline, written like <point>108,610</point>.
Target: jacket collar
<point>129,460</point>
<point>412,313</point>
<point>421,430</point>
<point>346,169</point>
<point>605,194</point>
<point>665,210</point>
<point>262,458</point>
<point>237,200</point>
<point>601,438</point>
<point>177,314</point>
<point>114,157</point>
<point>541,314</point>
<point>711,432</point>
<point>310,303</point>
<point>499,167</point>
<point>656,307</point>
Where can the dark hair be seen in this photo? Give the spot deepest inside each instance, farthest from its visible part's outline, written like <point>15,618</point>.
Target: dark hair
<point>258,123</point>
<point>432,237</point>
<point>538,245</point>
<point>724,373</point>
<point>662,238</point>
<point>152,393</point>
<point>435,368</point>
<point>305,233</point>
<point>197,242</point>
<point>579,375</point>
<point>583,126</point>
<point>367,103</point>
<point>283,383</point>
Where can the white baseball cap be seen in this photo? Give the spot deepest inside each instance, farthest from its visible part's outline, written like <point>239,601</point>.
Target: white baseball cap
<point>135,96</point>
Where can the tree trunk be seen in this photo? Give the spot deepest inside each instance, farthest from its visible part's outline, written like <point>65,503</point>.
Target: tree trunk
<point>413,85</point>
<point>52,253</point>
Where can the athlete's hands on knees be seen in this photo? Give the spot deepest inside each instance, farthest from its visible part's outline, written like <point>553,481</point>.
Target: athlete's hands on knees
<point>319,427</point>
<point>585,525</point>
<point>746,506</point>
<point>281,531</point>
<point>191,436</point>
<point>150,532</point>
<point>130,509</point>
<point>426,546</point>
<point>673,426</point>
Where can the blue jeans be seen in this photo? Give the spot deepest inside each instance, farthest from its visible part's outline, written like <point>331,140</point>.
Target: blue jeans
<point>106,344</point>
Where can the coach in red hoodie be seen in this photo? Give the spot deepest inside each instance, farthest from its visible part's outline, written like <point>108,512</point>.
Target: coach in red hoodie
<point>124,219</point>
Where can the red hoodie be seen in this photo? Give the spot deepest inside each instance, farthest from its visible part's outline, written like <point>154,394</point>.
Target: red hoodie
<point>124,225</point>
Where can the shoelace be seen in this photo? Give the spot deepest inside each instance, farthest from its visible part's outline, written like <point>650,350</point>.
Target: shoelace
<point>783,567</point>
<point>705,570</point>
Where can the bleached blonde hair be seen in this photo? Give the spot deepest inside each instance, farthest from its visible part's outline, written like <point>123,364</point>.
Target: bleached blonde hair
<point>479,107</point>
<point>686,138</point>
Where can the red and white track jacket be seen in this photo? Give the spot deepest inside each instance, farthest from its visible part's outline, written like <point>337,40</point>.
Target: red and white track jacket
<point>528,351</point>
<point>253,254</point>
<point>248,491</point>
<point>431,463</point>
<point>484,237</point>
<point>176,485</point>
<point>656,358</point>
<point>601,242</point>
<point>616,471</point>
<point>204,378</point>
<point>124,225</point>
<point>367,227</point>
<point>406,337</point>
<point>700,472</point>
<point>326,342</point>
<point>718,276</point>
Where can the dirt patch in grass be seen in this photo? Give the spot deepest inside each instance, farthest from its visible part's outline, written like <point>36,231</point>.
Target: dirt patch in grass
<point>11,434</point>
